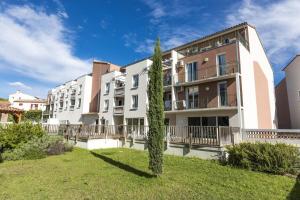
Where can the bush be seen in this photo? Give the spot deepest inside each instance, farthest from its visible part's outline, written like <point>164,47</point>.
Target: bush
<point>38,147</point>
<point>265,157</point>
<point>33,115</point>
<point>16,134</point>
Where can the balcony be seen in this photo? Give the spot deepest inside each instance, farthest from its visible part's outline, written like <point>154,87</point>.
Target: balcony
<point>167,63</point>
<point>120,91</point>
<point>167,105</point>
<point>118,110</point>
<point>207,73</point>
<point>167,79</point>
<point>72,107</point>
<point>206,103</point>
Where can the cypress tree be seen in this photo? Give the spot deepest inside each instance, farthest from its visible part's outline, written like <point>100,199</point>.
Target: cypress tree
<point>156,113</point>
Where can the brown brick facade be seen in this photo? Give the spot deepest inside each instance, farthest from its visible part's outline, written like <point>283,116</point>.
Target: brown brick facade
<point>208,68</point>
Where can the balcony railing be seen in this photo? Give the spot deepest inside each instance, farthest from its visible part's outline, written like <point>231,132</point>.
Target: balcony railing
<point>206,102</point>
<point>208,72</point>
<point>72,107</point>
<point>168,105</point>
<point>120,91</point>
<point>119,110</point>
<point>167,80</point>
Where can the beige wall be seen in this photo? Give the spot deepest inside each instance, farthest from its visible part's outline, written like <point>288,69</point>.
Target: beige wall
<point>282,105</point>
<point>262,98</point>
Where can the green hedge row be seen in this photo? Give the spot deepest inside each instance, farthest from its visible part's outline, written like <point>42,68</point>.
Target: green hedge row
<point>265,157</point>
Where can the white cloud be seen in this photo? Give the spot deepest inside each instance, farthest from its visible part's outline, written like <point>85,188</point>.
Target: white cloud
<point>18,84</point>
<point>277,23</point>
<point>36,44</point>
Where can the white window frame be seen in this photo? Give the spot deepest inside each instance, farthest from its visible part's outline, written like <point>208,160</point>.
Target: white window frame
<point>217,61</point>
<point>186,70</point>
<point>133,81</point>
<point>219,96</point>
<point>107,88</point>
<point>132,102</point>
<point>106,105</point>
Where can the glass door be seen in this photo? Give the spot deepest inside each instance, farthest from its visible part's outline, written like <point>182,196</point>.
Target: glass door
<point>192,71</point>
<point>193,97</point>
<point>222,64</point>
<point>223,94</point>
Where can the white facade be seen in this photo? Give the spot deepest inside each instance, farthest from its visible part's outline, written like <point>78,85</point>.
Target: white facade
<point>253,85</point>
<point>292,72</point>
<point>26,102</point>
<point>69,101</point>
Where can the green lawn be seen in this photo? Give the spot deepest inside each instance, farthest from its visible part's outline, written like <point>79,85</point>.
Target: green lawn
<point>123,174</point>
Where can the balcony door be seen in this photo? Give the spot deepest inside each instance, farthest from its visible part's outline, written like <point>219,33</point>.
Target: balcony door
<point>221,64</point>
<point>193,97</point>
<point>223,100</point>
<point>191,69</point>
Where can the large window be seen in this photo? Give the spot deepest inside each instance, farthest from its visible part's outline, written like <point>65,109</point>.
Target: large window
<point>107,85</point>
<point>222,64</point>
<point>79,103</point>
<point>193,97</point>
<point>134,101</point>
<point>135,81</point>
<point>191,69</point>
<point>106,105</point>
<point>72,105</point>
<point>223,94</point>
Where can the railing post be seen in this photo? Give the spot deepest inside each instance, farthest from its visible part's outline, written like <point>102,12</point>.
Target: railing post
<point>167,128</point>
<point>218,136</point>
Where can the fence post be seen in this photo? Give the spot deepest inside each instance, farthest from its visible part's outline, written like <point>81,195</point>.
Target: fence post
<point>190,139</point>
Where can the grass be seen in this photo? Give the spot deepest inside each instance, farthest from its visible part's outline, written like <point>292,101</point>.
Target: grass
<point>123,174</point>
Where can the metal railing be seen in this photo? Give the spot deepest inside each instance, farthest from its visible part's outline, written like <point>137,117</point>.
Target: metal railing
<point>191,135</point>
<point>229,100</point>
<point>120,91</point>
<point>211,71</point>
<point>119,110</point>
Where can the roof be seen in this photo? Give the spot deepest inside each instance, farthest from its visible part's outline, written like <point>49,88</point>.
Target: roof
<point>5,108</point>
<point>290,62</point>
<point>31,100</point>
<point>202,39</point>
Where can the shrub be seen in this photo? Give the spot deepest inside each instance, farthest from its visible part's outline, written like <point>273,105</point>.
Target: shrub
<point>33,115</point>
<point>13,135</point>
<point>265,157</point>
<point>38,147</point>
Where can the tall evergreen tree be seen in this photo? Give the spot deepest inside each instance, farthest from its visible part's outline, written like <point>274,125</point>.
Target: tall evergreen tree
<point>156,112</point>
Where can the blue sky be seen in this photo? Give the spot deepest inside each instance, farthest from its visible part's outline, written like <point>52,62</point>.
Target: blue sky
<point>46,42</point>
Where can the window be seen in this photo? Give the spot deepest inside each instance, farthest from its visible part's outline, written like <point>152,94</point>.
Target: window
<point>193,97</point>
<point>66,107</point>
<point>20,104</point>
<point>80,89</point>
<point>106,105</point>
<point>135,81</point>
<point>191,71</point>
<point>72,104</point>
<point>107,85</point>
<point>222,64</point>
<point>134,102</point>
<point>223,94</point>
<point>79,103</point>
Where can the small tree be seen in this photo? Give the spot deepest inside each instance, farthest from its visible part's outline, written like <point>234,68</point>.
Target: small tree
<point>156,113</point>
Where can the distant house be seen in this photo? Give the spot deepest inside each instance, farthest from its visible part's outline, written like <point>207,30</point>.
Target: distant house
<point>26,102</point>
<point>288,96</point>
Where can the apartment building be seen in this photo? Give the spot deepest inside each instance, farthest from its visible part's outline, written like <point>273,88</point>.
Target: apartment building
<point>288,96</point>
<point>67,102</point>
<point>77,101</point>
<point>223,79</point>
<point>26,102</point>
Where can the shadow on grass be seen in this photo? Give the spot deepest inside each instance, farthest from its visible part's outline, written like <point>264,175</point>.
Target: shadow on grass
<point>123,166</point>
<point>295,193</point>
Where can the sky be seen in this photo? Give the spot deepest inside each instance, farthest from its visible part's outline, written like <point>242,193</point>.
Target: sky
<point>44,43</point>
